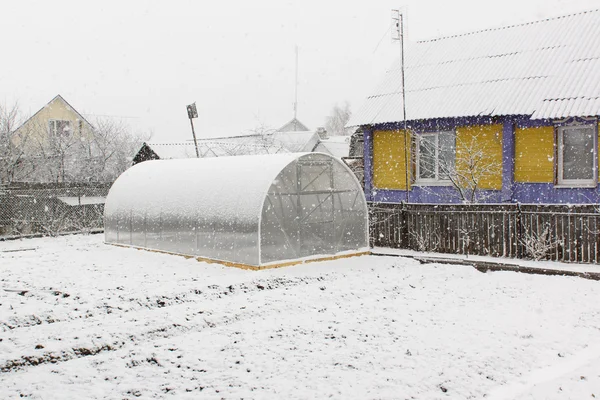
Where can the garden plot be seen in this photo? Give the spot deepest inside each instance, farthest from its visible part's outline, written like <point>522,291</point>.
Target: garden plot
<point>80,319</point>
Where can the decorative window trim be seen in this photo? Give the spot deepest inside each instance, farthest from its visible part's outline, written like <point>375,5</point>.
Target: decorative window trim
<point>576,183</point>
<point>437,181</point>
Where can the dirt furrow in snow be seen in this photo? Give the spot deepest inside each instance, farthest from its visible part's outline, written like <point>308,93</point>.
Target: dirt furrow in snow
<point>134,320</point>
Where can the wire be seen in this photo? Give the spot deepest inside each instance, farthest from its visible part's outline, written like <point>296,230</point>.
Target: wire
<point>383,37</point>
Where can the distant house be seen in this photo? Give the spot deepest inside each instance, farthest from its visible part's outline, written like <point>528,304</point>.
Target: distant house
<point>516,106</point>
<point>338,146</point>
<point>295,137</point>
<point>57,119</point>
<point>282,140</point>
<point>50,139</point>
<point>293,126</point>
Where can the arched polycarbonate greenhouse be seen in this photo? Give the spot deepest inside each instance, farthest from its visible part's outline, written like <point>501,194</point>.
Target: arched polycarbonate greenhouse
<point>249,211</point>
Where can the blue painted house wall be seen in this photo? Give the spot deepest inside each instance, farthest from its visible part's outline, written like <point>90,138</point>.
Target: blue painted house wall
<point>511,192</point>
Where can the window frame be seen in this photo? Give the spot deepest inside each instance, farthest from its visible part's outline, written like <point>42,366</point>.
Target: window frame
<point>53,127</point>
<point>567,183</point>
<point>437,181</point>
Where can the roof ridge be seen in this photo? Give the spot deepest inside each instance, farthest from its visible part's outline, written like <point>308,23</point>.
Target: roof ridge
<point>508,26</point>
<point>58,96</point>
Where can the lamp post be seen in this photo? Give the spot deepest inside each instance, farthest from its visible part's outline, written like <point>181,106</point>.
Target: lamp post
<point>193,113</point>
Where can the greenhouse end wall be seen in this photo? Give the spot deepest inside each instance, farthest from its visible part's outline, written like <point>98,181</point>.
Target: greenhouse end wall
<point>248,210</point>
<point>315,206</point>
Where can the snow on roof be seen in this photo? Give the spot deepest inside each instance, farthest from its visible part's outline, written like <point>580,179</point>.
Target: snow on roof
<point>173,150</point>
<point>270,143</point>
<point>546,69</point>
<point>293,126</point>
<point>82,200</point>
<point>235,146</point>
<point>297,141</point>
<point>338,146</point>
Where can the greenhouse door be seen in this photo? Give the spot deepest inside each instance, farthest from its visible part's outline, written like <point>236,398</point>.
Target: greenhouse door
<point>316,208</point>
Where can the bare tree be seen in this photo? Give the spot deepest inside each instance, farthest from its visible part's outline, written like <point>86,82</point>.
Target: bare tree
<point>98,153</point>
<point>471,167</point>
<point>107,153</point>
<point>335,123</point>
<point>12,153</point>
<point>54,153</point>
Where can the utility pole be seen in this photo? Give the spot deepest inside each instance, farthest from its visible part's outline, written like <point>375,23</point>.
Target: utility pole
<point>398,35</point>
<point>193,113</point>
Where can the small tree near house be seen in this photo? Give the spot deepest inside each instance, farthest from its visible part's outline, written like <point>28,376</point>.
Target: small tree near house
<point>469,168</point>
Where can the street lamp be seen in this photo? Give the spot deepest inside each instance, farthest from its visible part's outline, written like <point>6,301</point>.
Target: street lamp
<point>193,113</point>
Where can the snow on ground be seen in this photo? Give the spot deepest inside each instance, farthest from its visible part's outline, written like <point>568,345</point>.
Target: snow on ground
<point>543,264</point>
<point>80,319</point>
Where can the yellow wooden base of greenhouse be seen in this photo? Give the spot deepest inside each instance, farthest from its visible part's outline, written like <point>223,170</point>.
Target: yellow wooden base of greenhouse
<point>251,267</point>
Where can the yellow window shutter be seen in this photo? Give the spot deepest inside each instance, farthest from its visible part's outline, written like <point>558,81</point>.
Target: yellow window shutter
<point>534,154</point>
<point>389,163</point>
<point>479,156</point>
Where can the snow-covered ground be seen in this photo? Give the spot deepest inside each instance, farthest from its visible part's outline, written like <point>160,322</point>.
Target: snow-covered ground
<point>80,319</point>
<point>544,265</point>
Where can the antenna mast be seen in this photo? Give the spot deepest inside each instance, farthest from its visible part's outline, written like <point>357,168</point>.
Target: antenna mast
<point>296,87</point>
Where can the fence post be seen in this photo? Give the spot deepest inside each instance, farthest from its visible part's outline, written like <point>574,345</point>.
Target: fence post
<point>404,229</point>
<point>370,228</point>
<point>519,232</point>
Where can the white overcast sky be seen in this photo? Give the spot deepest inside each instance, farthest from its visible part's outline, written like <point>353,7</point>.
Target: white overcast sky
<point>143,61</point>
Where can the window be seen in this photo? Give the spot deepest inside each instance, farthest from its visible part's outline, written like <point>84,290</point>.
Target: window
<point>435,156</point>
<point>58,127</point>
<point>577,165</point>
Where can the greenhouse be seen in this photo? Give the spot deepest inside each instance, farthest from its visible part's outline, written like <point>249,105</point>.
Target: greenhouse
<point>248,211</point>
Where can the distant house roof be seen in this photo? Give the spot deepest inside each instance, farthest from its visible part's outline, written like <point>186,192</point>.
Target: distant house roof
<point>544,69</point>
<point>293,126</point>
<point>58,97</point>
<point>254,144</point>
<point>297,141</point>
<point>338,146</point>
<point>219,147</point>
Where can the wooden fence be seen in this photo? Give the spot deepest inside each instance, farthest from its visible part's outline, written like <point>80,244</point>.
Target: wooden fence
<point>554,232</point>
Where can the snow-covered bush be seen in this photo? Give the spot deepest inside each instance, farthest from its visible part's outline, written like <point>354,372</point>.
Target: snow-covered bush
<point>539,244</point>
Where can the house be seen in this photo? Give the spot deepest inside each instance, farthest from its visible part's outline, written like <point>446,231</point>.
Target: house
<point>499,115</point>
<point>293,137</point>
<point>57,119</point>
<point>338,146</point>
<point>50,139</point>
<point>293,126</point>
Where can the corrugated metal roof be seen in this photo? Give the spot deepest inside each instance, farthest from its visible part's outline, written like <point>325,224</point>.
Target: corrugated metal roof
<point>546,69</point>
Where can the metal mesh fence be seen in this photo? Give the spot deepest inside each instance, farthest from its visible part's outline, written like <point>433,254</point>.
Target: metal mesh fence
<point>31,209</point>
